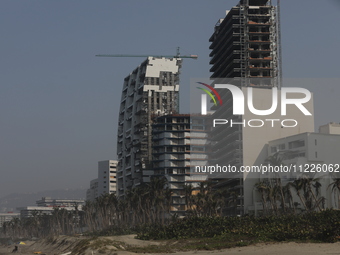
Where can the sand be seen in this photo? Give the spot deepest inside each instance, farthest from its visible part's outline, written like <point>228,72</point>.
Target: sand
<point>258,249</point>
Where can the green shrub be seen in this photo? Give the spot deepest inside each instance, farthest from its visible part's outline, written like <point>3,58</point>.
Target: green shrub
<point>317,226</point>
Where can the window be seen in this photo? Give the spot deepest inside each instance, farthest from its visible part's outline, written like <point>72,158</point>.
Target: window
<point>296,155</point>
<point>282,147</point>
<point>197,121</point>
<point>296,144</point>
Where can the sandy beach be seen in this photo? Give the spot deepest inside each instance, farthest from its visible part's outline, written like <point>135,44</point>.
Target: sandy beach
<point>258,249</point>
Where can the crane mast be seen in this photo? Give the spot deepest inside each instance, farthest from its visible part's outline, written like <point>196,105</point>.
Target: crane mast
<point>178,55</point>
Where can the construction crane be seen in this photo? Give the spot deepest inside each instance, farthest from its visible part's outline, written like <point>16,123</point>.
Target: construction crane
<point>178,55</point>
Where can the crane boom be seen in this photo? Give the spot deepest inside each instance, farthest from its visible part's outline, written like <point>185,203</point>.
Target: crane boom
<point>145,56</point>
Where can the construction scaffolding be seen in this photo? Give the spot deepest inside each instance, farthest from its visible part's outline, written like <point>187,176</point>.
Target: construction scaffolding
<point>246,52</point>
<point>246,45</point>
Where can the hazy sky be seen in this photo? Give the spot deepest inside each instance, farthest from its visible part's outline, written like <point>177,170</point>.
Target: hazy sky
<point>59,103</point>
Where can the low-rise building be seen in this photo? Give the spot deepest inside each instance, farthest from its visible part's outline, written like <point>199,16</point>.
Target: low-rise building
<point>311,155</point>
<point>51,202</point>
<point>5,217</point>
<point>47,205</point>
<point>30,211</point>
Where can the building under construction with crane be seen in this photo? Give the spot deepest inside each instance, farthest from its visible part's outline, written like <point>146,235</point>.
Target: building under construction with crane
<point>244,47</point>
<point>150,90</point>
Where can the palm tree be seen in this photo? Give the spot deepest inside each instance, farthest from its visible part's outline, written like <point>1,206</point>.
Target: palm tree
<point>188,189</point>
<point>308,198</point>
<point>336,191</point>
<point>156,189</point>
<point>311,197</point>
<point>277,160</point>
<point>298,185</point>
<point>232,201</point>
<point>288,194</point>
<point>263,189</point>
<point>168,200</point>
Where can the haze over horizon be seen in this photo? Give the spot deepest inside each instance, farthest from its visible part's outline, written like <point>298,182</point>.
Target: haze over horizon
<point>59,103</point>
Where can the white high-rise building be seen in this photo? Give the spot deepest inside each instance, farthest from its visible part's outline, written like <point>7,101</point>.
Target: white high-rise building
<point>179,144</point>
<point>106,182</point>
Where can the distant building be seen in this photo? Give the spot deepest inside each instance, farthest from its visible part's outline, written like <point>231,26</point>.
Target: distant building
<point>106,182</point>
<point>330,128</point>
<point>107,177</point>
<point>5,217</point>
<point>92,192</point>
<point>29,211</point>
<point>49,202</point>
<point>47,205</point>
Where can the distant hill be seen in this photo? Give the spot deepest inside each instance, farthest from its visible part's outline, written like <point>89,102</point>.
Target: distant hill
<point>10,202</point>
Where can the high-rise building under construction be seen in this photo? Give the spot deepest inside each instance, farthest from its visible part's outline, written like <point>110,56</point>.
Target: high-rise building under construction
<point>245,51</point>
<point>246,44</point>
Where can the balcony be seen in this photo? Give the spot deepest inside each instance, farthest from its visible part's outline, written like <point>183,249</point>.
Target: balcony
<point>259,23</point>
<point>261,59</point>
<point>259,67</point>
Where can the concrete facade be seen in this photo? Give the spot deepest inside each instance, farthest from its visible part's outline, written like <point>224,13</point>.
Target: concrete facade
<point>179,142</point>
<point>107,171</point>
<point>150,90</point>
<point>304,151</point>
<point>29,211</point>
<point>330,128</point>
<point>51,202</point>
<point>106,183</point>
